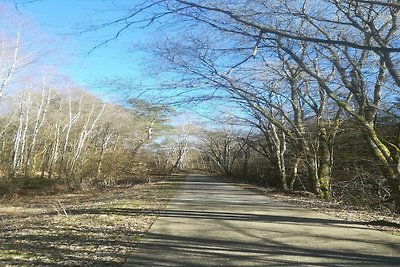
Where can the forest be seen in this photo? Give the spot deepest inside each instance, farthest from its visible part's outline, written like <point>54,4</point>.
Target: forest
<point>311,88</point>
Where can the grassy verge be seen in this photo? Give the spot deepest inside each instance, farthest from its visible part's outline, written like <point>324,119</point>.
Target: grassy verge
<point>88,228</point>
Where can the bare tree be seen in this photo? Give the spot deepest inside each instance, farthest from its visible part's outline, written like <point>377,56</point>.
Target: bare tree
<point>224,148</point>
<point>40,117</point>
<point>12,58</point>
<point>349,48</point>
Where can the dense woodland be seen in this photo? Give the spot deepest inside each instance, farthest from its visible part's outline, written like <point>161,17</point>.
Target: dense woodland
<point>313,85</point>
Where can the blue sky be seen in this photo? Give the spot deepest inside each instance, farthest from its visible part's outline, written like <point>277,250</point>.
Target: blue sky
<point>63,19</point>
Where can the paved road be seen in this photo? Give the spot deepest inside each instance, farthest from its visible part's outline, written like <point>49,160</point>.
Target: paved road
<point>210,223</point>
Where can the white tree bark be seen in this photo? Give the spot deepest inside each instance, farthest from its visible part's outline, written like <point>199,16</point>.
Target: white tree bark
<point>9,70</point>
<point>56,143</point>
<point>20,135</point>
<point>86,131</point>
<point>72,119</point>
<point>40,117</point>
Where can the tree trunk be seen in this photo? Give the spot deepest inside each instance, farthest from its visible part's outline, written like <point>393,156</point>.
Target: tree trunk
<point>295,173</point>
<point>324,168</point>
<point>279,145</point>
<point>41,115</point>
<point>104,146</point>
<point>312,176</point>
<point>389,160</point>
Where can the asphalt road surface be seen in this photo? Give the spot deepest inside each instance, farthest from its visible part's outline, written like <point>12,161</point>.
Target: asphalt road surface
<point>211,223</point>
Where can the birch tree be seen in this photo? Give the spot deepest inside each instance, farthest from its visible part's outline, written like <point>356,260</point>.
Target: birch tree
<point>40,118</point>
<point>10,58</point>
<point>17,54</point>
<point>19,140</point>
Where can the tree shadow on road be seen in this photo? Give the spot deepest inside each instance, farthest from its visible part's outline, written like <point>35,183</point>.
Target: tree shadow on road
<point>167,250</point>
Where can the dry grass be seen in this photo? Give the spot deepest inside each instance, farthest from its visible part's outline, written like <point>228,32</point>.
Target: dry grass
<point>88,228</point>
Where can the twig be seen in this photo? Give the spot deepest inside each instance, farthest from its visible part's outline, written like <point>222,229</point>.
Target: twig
<point>381,202</point>
<point>60,208</point>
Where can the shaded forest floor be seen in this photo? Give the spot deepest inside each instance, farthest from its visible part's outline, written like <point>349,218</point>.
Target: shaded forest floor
<point>97,228</point>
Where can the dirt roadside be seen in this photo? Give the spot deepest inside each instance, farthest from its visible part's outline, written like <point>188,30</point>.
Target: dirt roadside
<point>97,228</point>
